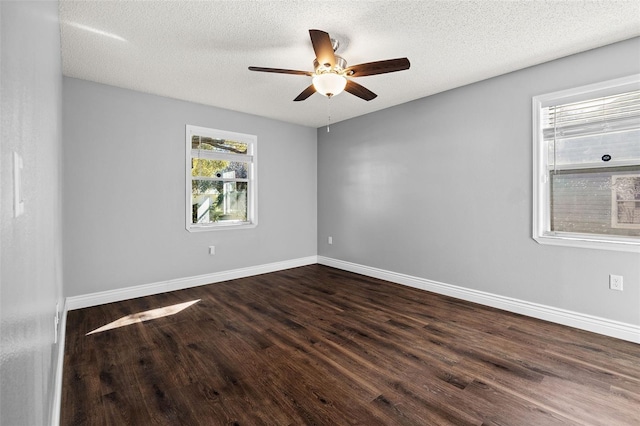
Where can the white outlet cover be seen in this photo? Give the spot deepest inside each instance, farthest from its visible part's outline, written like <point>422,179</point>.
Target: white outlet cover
<point>616,282</point>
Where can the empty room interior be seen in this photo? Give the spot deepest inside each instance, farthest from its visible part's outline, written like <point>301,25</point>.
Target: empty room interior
<point>320,213</point>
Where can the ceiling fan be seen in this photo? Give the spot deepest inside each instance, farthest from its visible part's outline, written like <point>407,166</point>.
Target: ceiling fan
<point>331,75</point>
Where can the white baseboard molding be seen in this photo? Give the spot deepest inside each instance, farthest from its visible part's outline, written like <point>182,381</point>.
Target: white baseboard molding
<point>57,382</point>
<point>578,320</point>
<point>100,298</point>
<point>591,323</point>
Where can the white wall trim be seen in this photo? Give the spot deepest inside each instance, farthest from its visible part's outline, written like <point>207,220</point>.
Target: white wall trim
<point>578,320</point>
<point>57,381</point>
<point>109,296</point>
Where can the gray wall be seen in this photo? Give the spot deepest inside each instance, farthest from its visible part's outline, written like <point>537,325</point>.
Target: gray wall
<point>440,188</point>
<point>30,245</point>
<point>124,191</point>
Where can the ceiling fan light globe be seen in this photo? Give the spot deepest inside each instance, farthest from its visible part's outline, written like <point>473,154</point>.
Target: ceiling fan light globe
<point>329,84</point>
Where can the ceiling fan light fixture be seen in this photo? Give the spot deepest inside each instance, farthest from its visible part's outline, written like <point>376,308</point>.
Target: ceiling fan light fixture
<point>331,72</point>
<point>329,84</point>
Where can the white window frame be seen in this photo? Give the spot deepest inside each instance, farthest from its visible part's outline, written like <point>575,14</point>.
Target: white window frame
<point>252,188</point>
<point>541,192</point>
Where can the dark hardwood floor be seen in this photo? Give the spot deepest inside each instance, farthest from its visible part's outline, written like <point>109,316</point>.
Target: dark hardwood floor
<point>320,346</point>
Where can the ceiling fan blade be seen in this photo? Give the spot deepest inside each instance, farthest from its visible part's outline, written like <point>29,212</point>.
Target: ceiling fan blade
<point>280,71</point>
<point>378,67</point>
<point>322,46</point>
<point>306,93</point>
<point>359,91</point>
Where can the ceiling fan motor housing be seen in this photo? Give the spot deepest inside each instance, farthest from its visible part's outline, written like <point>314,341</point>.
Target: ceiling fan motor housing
<point>338,68</point>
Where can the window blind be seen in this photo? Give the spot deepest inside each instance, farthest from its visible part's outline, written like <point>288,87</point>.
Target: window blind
<point>607,114</point>
<point>593,133</point>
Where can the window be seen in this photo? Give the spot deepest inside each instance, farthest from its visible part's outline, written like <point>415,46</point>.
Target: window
<point>221,184</point>
<point>625,201</point>
<point>587,166</point>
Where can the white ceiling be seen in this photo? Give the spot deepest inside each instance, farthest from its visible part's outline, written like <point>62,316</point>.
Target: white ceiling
<point>199,51</point>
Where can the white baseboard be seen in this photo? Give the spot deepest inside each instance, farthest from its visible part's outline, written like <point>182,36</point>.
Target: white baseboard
<point>109,296</point>
<point>591,323</point>
<point>57,382</point>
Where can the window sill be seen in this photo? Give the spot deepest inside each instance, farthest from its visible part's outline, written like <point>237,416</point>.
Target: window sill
<point>589,241</point>
<point>221,227</point>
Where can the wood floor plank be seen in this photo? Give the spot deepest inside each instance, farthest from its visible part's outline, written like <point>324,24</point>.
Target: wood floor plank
<point>80,379</point>
<point>510,409</point>
<point>320,346</point>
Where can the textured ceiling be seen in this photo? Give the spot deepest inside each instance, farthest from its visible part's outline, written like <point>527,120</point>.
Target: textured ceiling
<point>199,51</point>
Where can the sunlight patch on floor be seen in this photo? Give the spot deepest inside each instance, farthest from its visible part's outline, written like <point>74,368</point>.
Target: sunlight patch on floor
<point>145,316</point>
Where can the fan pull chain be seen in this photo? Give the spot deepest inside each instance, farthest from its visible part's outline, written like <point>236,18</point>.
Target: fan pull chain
<point>328,115</point>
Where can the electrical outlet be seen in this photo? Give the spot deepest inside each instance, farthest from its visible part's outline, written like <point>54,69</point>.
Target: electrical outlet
<point>615,282</point>
<point>330,240</point>
<point>212,250</point>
